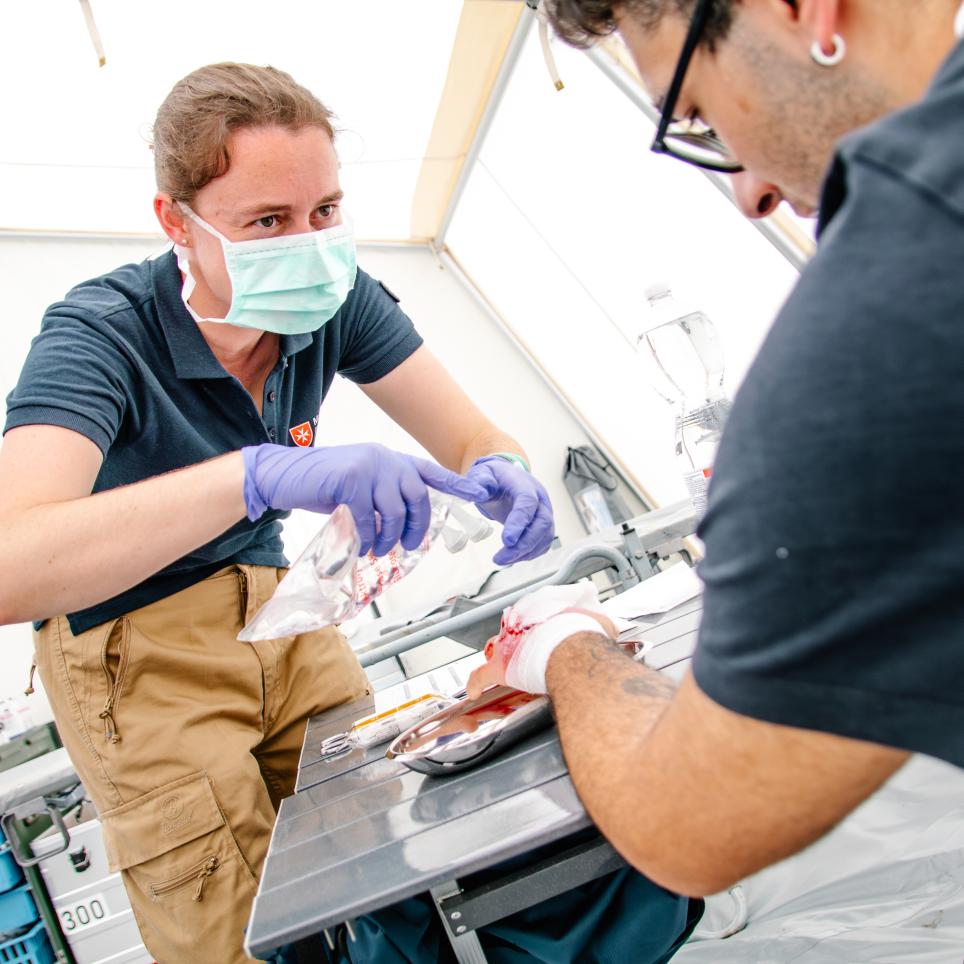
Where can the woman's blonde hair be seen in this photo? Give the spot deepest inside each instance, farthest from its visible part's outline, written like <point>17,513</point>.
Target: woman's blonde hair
<point>204,108</point>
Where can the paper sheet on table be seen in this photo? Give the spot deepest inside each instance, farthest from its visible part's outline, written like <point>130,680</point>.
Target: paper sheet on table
<point>655,595</point>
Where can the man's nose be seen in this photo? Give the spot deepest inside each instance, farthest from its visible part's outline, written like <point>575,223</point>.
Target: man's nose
<point>755,198</point>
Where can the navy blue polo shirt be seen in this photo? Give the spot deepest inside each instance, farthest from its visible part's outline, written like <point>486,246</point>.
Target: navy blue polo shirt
<point>121,361</point>
<point>834,537</point>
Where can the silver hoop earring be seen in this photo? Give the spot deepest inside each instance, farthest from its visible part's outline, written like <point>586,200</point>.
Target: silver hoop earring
<point>833,58</point>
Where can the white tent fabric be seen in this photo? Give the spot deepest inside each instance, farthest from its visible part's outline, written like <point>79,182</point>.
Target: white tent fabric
<point>568,217</point>
<point>75,156</point>
<point>534,299</point>
<point>543,234</point>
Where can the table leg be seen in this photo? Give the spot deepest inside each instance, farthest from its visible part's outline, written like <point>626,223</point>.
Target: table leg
<point>465,943</point>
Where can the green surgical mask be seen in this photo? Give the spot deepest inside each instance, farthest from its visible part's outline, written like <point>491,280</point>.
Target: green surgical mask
<point>289,285</point>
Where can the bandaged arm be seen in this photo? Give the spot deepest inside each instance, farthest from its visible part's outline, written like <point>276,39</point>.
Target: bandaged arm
<point>692,795</point>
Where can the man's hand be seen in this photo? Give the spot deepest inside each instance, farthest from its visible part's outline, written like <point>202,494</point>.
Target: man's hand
<point>532,629</point>
<point>520,502</point>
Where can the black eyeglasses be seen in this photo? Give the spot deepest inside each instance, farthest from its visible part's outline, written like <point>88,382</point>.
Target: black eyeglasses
<point>691,140</point>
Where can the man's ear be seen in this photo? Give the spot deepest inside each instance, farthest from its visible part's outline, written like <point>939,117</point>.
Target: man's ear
<point>169,216</point>
<point>821,18</point>
<point>806,20</point>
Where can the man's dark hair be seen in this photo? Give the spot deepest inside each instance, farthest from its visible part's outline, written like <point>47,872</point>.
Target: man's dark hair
<point>582,22</point>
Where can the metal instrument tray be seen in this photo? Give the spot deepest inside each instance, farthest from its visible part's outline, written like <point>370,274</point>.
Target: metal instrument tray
<point>471,731</point>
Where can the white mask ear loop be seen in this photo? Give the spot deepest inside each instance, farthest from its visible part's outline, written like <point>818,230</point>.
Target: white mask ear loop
<point>183,261</point>
<point>833,58</point>
<point>200,221</point>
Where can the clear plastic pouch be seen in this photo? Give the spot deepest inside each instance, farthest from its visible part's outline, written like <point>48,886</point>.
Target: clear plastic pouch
<point>329,583</point>
<point>385,726</point>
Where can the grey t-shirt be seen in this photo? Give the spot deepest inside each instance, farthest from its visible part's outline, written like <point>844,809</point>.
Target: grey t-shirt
<point>834,538</point>
<point>121,361</point>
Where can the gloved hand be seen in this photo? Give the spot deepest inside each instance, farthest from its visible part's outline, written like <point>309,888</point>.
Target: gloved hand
<point>532,629</point>
<point>368,478</point>
<point>517,500</point>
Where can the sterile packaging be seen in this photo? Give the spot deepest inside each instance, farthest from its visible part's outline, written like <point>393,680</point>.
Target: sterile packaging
<point>329,583</point>
<point>385,726</point>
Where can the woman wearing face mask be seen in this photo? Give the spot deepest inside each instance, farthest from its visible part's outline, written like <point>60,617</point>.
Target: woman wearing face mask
<point>163,424</point>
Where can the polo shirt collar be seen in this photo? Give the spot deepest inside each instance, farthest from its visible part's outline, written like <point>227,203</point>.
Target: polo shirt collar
<point>192,355</point>
<point>294,343</point>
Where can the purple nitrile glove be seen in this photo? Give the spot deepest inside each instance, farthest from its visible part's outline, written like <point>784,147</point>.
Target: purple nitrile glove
<point>517,500</point>
<point>368,478</point>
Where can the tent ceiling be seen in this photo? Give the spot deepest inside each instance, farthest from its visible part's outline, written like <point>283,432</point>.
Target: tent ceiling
<point>409,81</point>
<point>478,54</point>
<point>559,218</point>
<point>80,160</point>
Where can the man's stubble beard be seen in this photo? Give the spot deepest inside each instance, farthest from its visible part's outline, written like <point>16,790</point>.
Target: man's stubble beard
<point>803,111</point>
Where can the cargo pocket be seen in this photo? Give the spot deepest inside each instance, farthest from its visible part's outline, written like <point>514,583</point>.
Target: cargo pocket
<point>187,879</point>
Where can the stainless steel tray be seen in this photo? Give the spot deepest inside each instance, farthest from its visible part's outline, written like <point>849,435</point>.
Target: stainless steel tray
<point>469,732</point>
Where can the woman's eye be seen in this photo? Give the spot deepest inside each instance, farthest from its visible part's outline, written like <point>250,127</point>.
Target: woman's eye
<point>268,221</point>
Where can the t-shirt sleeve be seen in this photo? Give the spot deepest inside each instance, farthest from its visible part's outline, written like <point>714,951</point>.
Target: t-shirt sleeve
<point>377,335</point>
<point>74,377</point>
<point>834,539</point>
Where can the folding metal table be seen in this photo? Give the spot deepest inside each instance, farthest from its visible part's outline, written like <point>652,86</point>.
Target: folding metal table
<point>362,832</point>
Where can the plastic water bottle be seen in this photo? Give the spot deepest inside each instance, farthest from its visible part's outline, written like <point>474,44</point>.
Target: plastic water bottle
<point>684,357</point>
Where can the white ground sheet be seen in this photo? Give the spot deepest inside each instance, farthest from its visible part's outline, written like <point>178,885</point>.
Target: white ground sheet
<point>887,885</point>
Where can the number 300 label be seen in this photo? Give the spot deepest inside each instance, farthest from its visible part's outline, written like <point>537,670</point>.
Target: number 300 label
<point>84,914</point>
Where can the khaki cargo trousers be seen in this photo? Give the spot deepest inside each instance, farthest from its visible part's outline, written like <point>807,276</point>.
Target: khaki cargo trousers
<point>187,740</point>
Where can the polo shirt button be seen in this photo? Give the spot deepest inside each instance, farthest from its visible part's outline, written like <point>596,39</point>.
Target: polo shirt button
<point>272,396</point>
<point>272,434</point>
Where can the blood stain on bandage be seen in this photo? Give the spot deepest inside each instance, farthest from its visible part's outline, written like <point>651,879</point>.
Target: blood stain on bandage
<point>510,635</point>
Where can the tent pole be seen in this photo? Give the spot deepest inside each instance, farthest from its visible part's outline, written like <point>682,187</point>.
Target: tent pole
<point>789,247</point>
<point>512,54</point>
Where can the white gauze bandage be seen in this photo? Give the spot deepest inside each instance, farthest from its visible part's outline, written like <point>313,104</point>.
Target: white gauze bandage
<point>539,624</point>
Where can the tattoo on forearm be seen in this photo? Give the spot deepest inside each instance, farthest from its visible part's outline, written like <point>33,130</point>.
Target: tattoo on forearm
<point>650,685</point>
<point>607,662</point>
<point>596,688</point>
<point>604,658</point>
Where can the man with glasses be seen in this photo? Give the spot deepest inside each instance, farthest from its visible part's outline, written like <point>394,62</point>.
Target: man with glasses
<point>831,646</point>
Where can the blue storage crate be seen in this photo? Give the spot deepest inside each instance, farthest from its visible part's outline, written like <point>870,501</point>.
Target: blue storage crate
<point>30,948</point>
<point>17,909</point>
<point>10,872</point>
